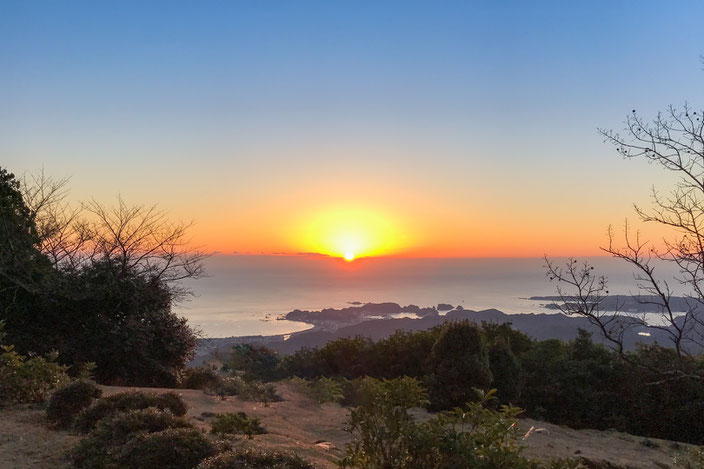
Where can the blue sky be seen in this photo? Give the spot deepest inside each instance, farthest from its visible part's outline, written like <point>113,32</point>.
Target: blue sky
<point>220,109</point>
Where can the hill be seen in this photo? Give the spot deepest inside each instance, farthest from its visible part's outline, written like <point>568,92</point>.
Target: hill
<point>316,431</point>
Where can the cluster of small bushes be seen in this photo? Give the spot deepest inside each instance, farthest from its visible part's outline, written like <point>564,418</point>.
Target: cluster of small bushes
<point>386,434</point>
<point>230,382</point>
<point>134,430</point>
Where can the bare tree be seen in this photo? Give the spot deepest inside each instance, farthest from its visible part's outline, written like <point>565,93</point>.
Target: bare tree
<point>138,238</point>
<point>674,140</point>
<point>142,239</point>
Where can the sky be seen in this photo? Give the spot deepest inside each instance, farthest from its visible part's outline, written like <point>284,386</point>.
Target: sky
<point>448,129</point>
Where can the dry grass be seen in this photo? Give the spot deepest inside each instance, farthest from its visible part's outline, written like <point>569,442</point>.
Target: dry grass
<point>26,441</point>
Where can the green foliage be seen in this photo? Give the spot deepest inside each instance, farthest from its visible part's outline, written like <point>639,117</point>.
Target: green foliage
<point>174,448</point>
<point>404,354</point>
<point>200,377</point>
<point>100,448</point>
<point>246,390</point>
<point>249,458</point>
<point>380,424</point>
<point>66,402</point>
<point>131,333</point>
<point>254,361</point>
<point>237,424</point>
<point>304,363</point>
<point>28,379</point>
<point>322,389</point>
<point>126,401</point>
<point>386,435</point>
<point>459,362</point>
<point>99,309</point>
<point>505,369</point>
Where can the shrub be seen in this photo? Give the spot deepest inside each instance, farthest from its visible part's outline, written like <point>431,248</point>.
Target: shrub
<point>326,390</point>
<point>66,402</point>
<point>255,459</point>
<point>255,361</point>
<point>100,447</point>
<point>237,424</point>
<point>175,448</point>
<point>505,370</point>
<point>380,424</point>
<point>28,379</point>
<point>322,389</point>
<point>459,362</point>
<point>200,378</point>
<point>246,390</point>
<point>124,401</point>
<point>385,434</point>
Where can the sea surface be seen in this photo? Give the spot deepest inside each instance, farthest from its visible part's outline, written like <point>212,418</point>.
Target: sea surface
<point>243,295</point>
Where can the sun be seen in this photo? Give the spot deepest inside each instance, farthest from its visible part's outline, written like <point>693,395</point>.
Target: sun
<point>350,233</point>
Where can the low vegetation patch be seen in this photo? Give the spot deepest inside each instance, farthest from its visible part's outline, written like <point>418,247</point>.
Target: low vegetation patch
<point>248,390</point>
<point>66,402</point>
<point>125,401</point>
<point>255,459</point>
<point>174,448</point>
<point>102,446</point>
<point>323,389</point>
<point>237,424</point>
<point>385,434</point>
<point>28,379</point>
<point>201,377</point>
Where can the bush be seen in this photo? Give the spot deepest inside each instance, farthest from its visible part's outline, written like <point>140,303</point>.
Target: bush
<point>326,390</point>
<point>28,379</point>
<point>246,390</point>
<point>125,401</point>
<point>385,434</point>
<point>66,402</point>
<point>99,449</point>
<point>255,459</point>
<point>505,370</point>
<point>255,361</point>
<point>200,378</point>
<point>379,425</point>
<point>175,448</point>
<point>237,424</point>
<point>322,389</point>
<point>459,362</point>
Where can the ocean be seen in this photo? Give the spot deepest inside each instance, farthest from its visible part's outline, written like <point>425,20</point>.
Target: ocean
<point>243,295</point>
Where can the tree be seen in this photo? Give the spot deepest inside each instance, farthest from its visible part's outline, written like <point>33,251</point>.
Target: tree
<point>459,362</point>
<point>674,140</point>
<point>96,283</point>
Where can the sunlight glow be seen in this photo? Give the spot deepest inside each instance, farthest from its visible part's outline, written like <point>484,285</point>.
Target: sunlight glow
<point>350,233</point>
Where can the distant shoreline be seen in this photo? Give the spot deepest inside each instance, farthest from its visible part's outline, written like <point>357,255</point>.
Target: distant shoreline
<point>379,320</point>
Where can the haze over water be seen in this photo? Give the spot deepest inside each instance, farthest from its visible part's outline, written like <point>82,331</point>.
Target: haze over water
<point>243,294</point>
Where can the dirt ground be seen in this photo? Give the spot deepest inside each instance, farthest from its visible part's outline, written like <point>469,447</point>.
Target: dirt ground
<point>26,442</point>
<point>317,433</point>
